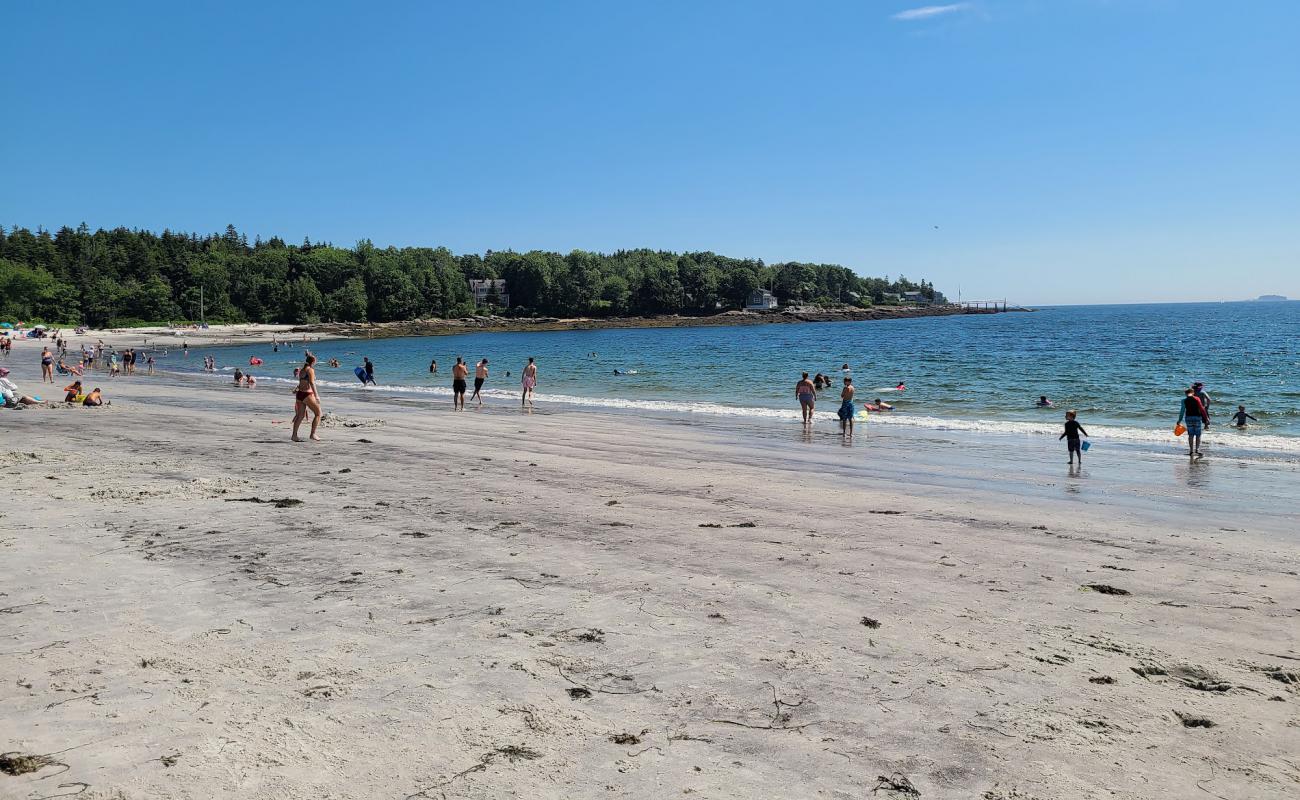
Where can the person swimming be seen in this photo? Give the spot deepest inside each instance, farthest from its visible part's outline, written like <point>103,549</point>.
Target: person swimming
<point>1043,402</point>
<point>881,405</point>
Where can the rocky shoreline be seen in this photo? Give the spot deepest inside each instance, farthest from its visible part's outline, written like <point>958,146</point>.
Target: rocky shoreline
<point>439,327</point>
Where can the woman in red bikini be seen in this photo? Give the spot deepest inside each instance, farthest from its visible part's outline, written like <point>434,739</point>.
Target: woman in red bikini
<point>305,399</point>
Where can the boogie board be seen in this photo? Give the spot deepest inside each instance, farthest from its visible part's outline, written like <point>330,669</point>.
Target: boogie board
<point>360,373</point>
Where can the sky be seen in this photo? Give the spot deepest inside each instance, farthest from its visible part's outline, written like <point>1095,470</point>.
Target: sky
<point>1042,151</point>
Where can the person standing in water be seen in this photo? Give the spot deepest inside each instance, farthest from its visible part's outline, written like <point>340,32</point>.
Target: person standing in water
<point>458,373</point>
<point>847,410</point>
<point>480,375</point>
<point>370,370</point>
<point>1073,444</point>
<point>1198,389</point>
<point>1239,419</point>
<point>306,399</point>
<point>433,367</point>
<point>807,394</point>
<point>529,383</point>
<point>1191,413</point>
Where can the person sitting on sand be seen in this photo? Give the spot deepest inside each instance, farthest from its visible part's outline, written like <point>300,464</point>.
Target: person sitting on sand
<point>1239,419</point>
<point>881,405</point>
<point>250,381</point>
<point>306,399</point>
<point>10,394</point>
<point>94,398</point>
<point>72,390</point>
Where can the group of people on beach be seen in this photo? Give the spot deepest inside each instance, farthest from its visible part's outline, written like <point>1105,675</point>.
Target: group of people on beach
<point>1193,420</point>
<point>1194,417</point>
<point>805,391</point>
<point>11,397</point>
<point>307,398</point>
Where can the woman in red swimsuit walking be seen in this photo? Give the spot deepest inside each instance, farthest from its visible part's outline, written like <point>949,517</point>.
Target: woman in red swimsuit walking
<point>305,399</point>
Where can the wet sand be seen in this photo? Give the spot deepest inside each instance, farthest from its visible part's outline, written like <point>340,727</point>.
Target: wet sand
<point>564,605</point>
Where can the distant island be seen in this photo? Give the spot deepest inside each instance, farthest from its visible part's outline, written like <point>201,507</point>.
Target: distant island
<point>1271,298</point>
<point>129,277</point>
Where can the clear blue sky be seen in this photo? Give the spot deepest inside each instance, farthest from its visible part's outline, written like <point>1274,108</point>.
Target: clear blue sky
<point>1067,150</point>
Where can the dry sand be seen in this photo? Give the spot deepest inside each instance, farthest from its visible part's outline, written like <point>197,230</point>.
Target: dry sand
<point>489,605</point>
<point>163,336</point>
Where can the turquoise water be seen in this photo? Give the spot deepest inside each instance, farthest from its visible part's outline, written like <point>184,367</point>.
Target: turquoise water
<point>1122,367</point>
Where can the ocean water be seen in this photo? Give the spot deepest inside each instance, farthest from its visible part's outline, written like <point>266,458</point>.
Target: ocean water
<point>1123,368</point>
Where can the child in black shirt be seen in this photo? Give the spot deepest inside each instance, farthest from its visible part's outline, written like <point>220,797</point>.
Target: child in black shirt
<point>1071,436</point>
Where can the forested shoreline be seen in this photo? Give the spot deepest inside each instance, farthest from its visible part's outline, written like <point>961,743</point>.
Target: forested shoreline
<point>122,277</point>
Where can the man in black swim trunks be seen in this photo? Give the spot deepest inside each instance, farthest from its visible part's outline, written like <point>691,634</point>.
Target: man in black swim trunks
<point>458,373</point>
<point>370,371</point>
<point>480,375</point>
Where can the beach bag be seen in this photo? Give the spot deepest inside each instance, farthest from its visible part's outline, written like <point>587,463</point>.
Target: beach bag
<point>1179,429</point>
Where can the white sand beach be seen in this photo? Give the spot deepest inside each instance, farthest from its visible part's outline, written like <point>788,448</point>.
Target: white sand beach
<point>576,605</point>
<point>169,336</point>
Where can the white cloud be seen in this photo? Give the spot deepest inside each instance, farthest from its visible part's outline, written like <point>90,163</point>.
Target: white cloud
<point>926,12</point>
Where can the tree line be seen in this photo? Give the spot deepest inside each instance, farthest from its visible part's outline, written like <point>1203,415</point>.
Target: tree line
<point>122,277</point>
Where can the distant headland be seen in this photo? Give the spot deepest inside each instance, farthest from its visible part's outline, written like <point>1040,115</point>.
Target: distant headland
<point>1271,298</point>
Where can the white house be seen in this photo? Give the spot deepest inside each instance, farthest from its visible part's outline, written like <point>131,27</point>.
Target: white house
<point>760,300</point>
<point>482,289</point>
